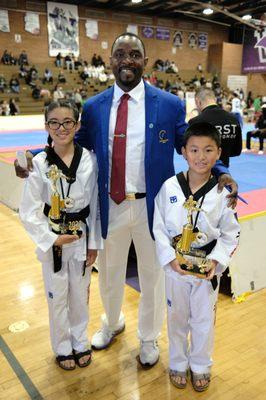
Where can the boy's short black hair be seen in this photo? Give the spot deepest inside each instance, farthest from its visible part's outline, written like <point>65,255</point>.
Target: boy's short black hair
<point>131,35</point>
<point>202,129</point>
<point>62,103</point>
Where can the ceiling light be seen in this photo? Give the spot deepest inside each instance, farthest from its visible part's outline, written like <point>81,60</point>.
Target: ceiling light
<point>207,11</point>
<point>136,1</point>
<point>247,17</point>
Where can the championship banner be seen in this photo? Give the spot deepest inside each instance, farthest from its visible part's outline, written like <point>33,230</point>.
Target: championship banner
<point>178,39</point>
<point>63,32</point>
<point>162,34</point>
<point>4,21</point>
<point>202,40</point>
<point>147,32</point>
<point>254,52</point>
<point>193,40</point>
<point>32,23</point>
<point>91,27</point>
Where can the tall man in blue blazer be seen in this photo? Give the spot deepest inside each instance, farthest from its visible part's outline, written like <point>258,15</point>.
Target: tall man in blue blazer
<point>155,126</point>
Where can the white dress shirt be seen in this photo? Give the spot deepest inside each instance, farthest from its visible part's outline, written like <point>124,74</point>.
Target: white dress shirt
<point>135,146</point>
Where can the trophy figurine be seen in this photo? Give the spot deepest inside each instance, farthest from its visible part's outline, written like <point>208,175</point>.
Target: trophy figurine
<point>191,259</point>
<point>58,218</point>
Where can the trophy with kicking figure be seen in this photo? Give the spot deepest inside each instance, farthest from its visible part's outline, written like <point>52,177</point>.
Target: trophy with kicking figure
<point>191,259</point>
<point>60,221</point>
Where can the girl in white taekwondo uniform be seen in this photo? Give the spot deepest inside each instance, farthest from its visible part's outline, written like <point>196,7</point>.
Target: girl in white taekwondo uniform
<point>64,256</point>
<point>190,299</point>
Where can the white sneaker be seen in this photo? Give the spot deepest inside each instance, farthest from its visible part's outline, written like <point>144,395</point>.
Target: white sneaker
<point>246,151</point>
<point>260,152</point>
<point>104,337</point>
<point>149,353</point>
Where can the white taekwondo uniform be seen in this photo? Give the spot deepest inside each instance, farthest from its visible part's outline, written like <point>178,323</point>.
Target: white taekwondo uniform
<point>67,289</point>
<point>190,300</point>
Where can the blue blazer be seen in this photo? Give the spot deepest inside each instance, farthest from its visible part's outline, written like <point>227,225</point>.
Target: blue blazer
<point>165,125</point>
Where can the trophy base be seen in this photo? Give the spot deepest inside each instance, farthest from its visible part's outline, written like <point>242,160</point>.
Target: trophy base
<point>193,263</point>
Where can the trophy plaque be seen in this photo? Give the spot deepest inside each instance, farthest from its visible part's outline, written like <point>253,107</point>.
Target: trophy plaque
<point>191,259</point>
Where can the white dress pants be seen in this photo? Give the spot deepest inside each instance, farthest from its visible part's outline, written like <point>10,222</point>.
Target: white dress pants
<point>128,221</point>
<point>67,297</point>
<point>191,304</point>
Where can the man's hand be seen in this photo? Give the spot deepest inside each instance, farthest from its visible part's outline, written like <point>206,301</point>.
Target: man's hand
<point>91,257</point>
<point>65,239</point>
<point>211,270</point>
<point>227,180</point>
<point>22,172</point>
<point>176,267</point>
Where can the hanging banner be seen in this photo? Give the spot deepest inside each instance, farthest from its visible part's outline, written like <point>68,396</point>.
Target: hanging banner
<point>32,23</point>
<point>147,32</point>
<point>91,27</point>
<point>163,34</point>
<point>178,39</point>
<point>192,40</point>
<point>4,21</point>
<point>63,32</point>
<point>254,52</point>
<point>132,28</point>
<point>203,40</point>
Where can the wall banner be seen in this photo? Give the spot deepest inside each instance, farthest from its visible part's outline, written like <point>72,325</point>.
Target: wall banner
<point>178,39</point>
<point>147,32</point>
<point>192,40</point>
<point>32,23</point>
<point>254,52</point>
<point>162,34</point>
<point>63,30</point>
<point>203,40</point>
<point>4,21</point>
<point>91,27</point>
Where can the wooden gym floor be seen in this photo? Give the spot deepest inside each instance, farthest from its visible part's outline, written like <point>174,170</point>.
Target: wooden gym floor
<point>28,370</point>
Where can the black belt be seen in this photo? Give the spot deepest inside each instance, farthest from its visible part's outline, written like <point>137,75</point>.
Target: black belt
<point>135,196</point>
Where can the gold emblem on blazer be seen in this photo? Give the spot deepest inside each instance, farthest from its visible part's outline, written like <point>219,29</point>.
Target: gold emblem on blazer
<point>163,136</point>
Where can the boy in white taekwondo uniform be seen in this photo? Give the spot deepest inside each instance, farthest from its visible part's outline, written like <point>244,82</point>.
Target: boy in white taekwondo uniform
<point>191,300</point>
<point>65,274</point>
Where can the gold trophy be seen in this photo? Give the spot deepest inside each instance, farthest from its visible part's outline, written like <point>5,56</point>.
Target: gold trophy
<point>191,259</point>
<point>58,218</point>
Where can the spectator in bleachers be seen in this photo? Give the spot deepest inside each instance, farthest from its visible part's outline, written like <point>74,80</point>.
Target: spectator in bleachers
<point>23,71</point>
<point>70,62</point>
<point>58,93</point>
<point>2,83</point>
<point>78,99</point>
<point>158,65</point>
<point>47,76</point>
<point>5,110</point>
<point>36,92</point>
<point>94,60</point>
<point>103,78</point>
<point>61,77</point>
<point>32,76</point>
<point>23,58</point>
<point>13,107</point>
<point>8,58</point>
<point>199,68</point>
<point>14,84</point>
<point>100,61</point>
<point>59,60</point>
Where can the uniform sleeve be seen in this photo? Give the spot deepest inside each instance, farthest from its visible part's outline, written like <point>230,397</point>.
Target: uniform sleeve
<point>165,252</point>
<point>220,169</point>
<point>95,235</point>
<point>31,211</point>
<point>228,240</point>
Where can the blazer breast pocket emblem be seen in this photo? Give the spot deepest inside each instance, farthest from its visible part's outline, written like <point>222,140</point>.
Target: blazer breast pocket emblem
<point>163,136</point>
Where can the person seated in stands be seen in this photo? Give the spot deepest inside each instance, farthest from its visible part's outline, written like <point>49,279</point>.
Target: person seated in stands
<point>23,58</point>
<point>199,67</point>
<point>14,84</point>
<point>94,60</point>
<point>171,68</point>
<point>153,79</point>
<point>5,110</point>
<point>58,93</point>
<point>13,59</point>
<point>47,76</point>
<point>5,58</point>
<point>69,62</point>
<point>103,78</point>
<point>23,71</point>
<point>202,80</point>
<point>259,132</point>
<point>32,76</point>
<point>61,77</point>
<point>78,62</point>
<point>13,107</point>
<point>36,92</point>
<point>59,60</point>
<point>2,83</point>
<point>78,99</point>
<point>45,94</point>
<point>100,61</point>
<point>158,65</point>
<point>208,84</point>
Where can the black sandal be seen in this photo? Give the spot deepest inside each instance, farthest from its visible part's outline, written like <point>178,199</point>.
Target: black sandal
<point>78,356</point>
<point>59,360</point>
